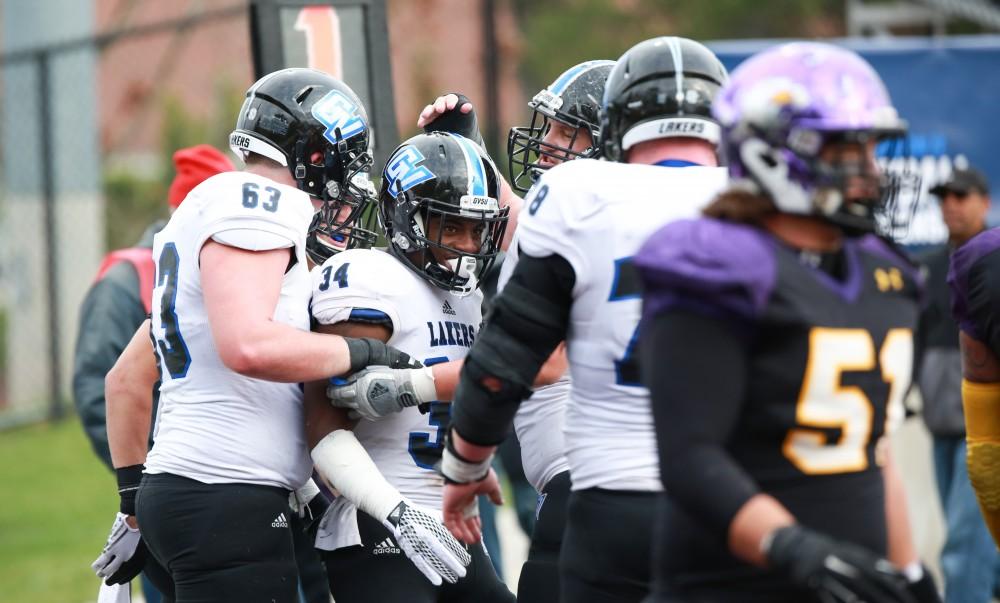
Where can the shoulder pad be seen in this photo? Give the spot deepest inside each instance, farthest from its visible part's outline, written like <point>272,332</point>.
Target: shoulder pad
<point>709,265</point>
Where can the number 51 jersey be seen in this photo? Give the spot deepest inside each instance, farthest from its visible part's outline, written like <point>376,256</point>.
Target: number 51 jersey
<point>215,425</point>
<point>829,361</point>
<point>596,214</point>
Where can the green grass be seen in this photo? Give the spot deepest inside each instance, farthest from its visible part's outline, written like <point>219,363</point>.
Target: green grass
<point>57,503</point>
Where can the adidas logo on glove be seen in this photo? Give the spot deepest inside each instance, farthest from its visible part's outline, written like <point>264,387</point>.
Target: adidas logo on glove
<point>280,521</point>
<point>386,547</point>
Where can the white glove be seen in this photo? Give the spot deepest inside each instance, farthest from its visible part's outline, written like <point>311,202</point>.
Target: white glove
<point>428,544</point>
<point>123,555</point>
<point>299,499</point>
<point>378,391</point>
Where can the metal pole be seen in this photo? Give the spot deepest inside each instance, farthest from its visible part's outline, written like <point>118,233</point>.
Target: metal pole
<point>491,69</point>
<point>48,206</point>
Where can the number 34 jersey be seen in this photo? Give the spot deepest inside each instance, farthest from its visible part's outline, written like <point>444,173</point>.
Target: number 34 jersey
<point>596,214</point>
<point>215,425</point>
<point>428,323</point>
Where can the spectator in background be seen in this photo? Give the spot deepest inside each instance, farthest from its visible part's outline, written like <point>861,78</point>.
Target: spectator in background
<point>969,559</point>
<point>117,303</point>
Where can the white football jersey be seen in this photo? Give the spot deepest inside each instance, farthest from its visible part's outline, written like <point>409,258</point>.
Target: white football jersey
<point>596,215</point>
<point>428,323</point>
<point>539,420</point>
<point>215,425</point>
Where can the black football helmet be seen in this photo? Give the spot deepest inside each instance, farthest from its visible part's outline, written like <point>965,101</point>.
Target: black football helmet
<point>441,175</point>
<point>573,99</point>
<point>314,124</point>
<point>660,88</point>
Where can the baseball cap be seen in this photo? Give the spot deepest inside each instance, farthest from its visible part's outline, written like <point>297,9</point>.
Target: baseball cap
<point>962,181</point>
<point>194,165</point>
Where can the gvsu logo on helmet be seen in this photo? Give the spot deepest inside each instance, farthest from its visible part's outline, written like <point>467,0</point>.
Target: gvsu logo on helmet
<point>403,172</point>
<point>337,111</point>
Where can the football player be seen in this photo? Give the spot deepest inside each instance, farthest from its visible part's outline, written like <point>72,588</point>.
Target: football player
<point>778,346</point>
<point>975,292</point>
<point>565,125</point>
<point>439,203</point>
<point>579,227</point>
<point>230,333</point>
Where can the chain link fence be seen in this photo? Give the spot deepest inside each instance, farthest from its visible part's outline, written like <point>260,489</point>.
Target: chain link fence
<point>88,124</point>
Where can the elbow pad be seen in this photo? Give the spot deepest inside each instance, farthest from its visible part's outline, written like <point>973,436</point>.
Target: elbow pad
<point>982,425</point>
<point>524,328</point>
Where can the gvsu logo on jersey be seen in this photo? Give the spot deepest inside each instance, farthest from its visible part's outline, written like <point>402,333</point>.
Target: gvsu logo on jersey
<point>336,111</point>
<point>403,171</point>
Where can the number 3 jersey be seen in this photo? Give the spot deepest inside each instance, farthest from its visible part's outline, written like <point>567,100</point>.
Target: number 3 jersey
<point>829,362</point>
<point>428,323</point>
<point>215,425</point>
<point>596,214</point>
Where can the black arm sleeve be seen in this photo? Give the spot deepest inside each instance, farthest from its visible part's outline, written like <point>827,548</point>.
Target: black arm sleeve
<point>529,319</point>
<point>695,367</point>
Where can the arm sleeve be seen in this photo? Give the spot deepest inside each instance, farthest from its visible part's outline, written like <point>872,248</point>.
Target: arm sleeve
<point>109,316</point>
<point>695,367</point>
<point>529,319</point>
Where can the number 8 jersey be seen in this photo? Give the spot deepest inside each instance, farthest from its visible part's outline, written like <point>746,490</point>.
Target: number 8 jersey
<point>596,214</point>
<point>213,424</point>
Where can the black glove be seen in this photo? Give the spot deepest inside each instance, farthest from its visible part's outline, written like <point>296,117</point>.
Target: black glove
<point>366,351</point>
<point>456,122</point>
<point>837,571</point>
<point>925,590</point>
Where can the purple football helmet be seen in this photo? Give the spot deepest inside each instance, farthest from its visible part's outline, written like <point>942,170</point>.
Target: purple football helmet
<point>778,110</point>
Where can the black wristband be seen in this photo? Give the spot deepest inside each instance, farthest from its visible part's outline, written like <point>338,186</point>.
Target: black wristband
<point>128,484</point>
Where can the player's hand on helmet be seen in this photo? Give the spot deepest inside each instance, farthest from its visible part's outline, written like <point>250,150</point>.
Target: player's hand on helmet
<point>367,351</point>
<point>464,481</point>
<point>441,105</point>
<point>836,570</point>
<point>453,113</point>
<point>427,544</point>
<point>378,391</point>
<point>124,554</point>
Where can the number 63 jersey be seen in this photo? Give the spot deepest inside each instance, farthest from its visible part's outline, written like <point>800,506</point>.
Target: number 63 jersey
<point>595,215</point>
<point>215,425</point>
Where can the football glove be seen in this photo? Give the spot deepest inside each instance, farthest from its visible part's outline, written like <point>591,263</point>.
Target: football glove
<point>378,391</point>
<point>428,544</point>
<point>123,556</point>
<point>456,122</point>
<point>366,351</point>
<point>838,572</point>
<point>309,503</point>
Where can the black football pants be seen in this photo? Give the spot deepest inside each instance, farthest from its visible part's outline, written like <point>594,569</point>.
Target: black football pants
<point>606,549</point>
<point>220,543</point>
<point>539,582</point>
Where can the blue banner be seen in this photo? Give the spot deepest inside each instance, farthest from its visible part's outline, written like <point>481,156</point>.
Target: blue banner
<point>948,89</point>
